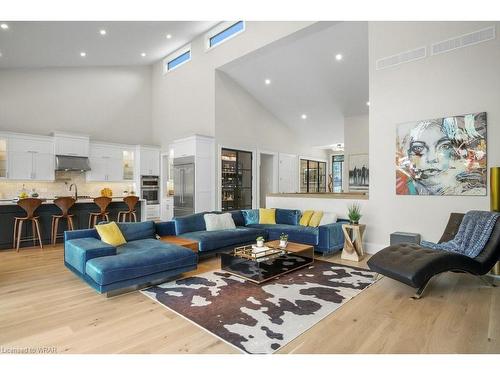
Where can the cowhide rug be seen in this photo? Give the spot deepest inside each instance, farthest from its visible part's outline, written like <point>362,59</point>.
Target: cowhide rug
<point>262,318</point>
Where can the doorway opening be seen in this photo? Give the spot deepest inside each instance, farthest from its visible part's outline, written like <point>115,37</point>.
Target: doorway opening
<point>268,179</point>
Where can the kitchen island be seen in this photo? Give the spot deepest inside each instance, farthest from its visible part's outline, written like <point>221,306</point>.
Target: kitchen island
<point>81,211</point>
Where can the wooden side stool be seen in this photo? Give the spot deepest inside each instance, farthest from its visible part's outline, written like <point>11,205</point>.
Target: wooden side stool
<point>29,205</point>
<point>64,204</point>
<point>102,203</point>
<point>130,201</point>
<point>353,242</point>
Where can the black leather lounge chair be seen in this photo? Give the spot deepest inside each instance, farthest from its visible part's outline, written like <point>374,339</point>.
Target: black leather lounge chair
<point>415,265</point>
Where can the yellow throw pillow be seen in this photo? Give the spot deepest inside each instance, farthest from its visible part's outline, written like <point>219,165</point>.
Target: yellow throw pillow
<point>315,218</point>
<point>111,234</point>
<point>306,217</point>
<point>267,216</point>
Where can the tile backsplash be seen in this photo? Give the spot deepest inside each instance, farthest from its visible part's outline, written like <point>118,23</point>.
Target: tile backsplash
<point>60,187</point>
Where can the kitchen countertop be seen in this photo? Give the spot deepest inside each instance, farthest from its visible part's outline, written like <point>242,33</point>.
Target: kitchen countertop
<point>7,202</point>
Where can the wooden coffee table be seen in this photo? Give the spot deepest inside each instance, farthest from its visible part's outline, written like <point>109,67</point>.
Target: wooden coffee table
<point>258,270</point>
<point>181,241</point>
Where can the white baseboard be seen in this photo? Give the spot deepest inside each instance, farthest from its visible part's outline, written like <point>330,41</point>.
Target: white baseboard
<point>372,248</point>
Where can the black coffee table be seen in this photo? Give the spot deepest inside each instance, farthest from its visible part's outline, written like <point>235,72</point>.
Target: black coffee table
<point>266,266</point>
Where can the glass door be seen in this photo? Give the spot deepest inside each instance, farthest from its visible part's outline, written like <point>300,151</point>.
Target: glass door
<point>312,176</point>
<point>237,177</point>
<point>337,172</point>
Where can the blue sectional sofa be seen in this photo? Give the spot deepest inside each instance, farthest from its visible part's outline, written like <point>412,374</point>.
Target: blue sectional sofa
<point>325,239</point>
<point>143,259</point>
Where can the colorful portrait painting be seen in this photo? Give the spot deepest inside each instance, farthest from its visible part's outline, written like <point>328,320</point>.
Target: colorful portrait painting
<point>444,156</point>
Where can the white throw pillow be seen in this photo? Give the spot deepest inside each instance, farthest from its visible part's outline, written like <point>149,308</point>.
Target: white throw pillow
<point>219,221</point>
<point>328,218</point>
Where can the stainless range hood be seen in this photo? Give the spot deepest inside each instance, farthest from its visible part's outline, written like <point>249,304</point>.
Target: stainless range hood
<point>72,163</point>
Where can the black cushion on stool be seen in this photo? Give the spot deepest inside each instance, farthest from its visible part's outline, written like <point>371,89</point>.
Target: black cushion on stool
<point>415,265</point>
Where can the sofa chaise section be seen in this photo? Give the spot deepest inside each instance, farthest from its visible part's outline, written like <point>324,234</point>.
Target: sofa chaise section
<point>142,260</point>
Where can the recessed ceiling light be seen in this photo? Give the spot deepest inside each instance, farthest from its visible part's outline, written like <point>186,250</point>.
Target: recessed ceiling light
<point>83,54</point>
<point>143,54</point>
<point>304,116</point>
<point>0,54</point>
<point>4,26</point>
<point>102,32</point>
<point>368,103</point>
<point>169,36</point>
<point>267,81</point>
<point>338,57</point>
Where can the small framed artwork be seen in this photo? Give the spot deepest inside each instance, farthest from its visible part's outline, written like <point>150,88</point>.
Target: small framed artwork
<point>359,172</point>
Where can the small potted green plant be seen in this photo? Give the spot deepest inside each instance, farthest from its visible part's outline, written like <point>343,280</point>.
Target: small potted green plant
<point>283,240</point>
<point>354,213</point>
<point>260,241</point>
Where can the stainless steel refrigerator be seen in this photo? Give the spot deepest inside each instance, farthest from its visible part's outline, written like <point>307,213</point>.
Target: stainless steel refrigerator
<point>184,186</point>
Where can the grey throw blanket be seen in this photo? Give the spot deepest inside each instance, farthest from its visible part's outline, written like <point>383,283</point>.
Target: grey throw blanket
<point>472,236</point>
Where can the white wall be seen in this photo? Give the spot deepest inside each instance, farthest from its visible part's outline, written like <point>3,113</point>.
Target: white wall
<point>241,121</point>
<point>184,99</point>
<point>108,103</point>
<point>356,131</point>
<point>462,81</point>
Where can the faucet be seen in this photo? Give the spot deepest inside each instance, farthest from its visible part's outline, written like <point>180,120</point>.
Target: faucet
<point>76,190</point>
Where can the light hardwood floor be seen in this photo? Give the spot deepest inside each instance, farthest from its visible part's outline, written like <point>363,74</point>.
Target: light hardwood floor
<point>42,304</point>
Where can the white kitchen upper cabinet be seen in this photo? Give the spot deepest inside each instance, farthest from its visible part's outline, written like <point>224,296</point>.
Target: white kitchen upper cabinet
<point>43,166</point>
<point>149,159</point>
<point>105,168</point>
<point>114,169</point>
<point>108,162</point>
<point>3,158</point>
<point>20,165</point>
<point>71,145</point>
<point>128,164</point>
<point>31,158</point>
<point>98,168</point>
<point>31,165</point>
<point>184,147</point>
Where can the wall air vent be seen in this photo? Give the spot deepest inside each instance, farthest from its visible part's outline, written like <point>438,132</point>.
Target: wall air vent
<point>463,41</point>
<point>401,58</point>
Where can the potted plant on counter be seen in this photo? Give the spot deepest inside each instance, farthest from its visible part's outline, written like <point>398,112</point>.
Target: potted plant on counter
<point>283,240</point>
<point>260,241</point>
<point>354,213</point>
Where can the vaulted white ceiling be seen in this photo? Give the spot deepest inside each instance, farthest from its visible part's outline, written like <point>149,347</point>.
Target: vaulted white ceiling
<point>307,79</point>
<point>27,44</point>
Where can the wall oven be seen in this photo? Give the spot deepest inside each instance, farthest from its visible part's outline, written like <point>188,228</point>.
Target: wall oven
<point>150,189</point>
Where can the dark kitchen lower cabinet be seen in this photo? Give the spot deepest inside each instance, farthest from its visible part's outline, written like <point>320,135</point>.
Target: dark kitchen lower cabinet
<point>81,212</point>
